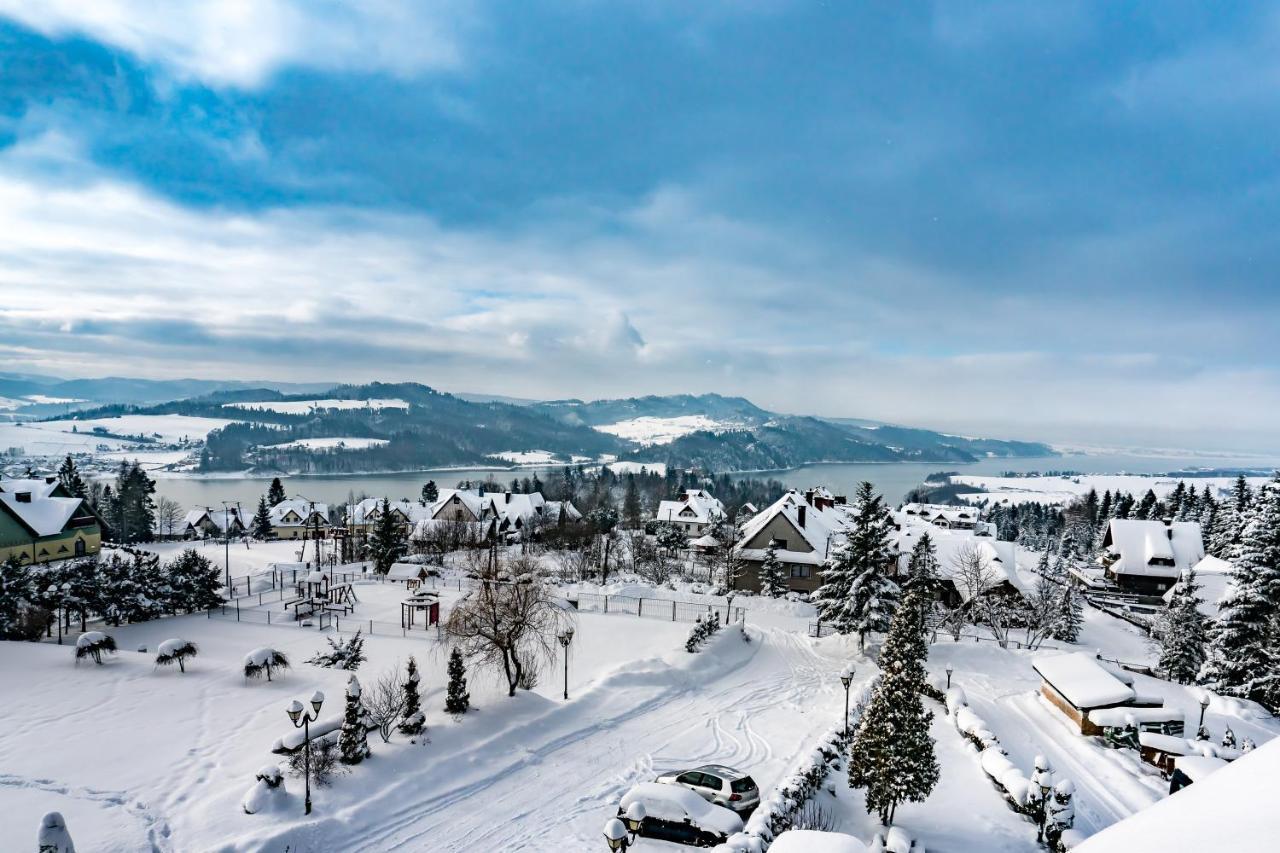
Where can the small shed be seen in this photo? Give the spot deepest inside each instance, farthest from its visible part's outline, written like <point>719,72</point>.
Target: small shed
<point>707,544</point>
<point>1192,768</point>
<point>1077,683</point>
<point>424,603</point>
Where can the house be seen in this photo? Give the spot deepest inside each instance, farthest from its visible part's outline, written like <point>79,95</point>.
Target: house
<point>366,513</point>
<point>460,505</point>
<point>204,522</point>
<point>804,528</point>
<point>1078,683</point>
<point>1148,557</point>
<point>299,519</point>
<point>694,514</point>
<point>40,521</point>
<point>957,548</point>
<point>522,515</point>
<point>943,516</point>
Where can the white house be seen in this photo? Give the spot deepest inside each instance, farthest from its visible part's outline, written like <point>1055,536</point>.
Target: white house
<point>694,514</point>
<point>205,521</point>
<point>297,519</point>
<point>1213,576</point>
<point>953,547</point>
<point>1147,557</point>
<point>944,516</point>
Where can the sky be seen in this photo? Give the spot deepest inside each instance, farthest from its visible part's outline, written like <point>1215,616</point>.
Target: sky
<point>1042,221</point>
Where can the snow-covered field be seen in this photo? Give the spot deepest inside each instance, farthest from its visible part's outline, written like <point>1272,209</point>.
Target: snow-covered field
<point>345,443</point>
<point>35,440</point>
<point>526,457</point>
<point>170,429</point>
<point>649,430</point>
<point>301,407</point>
<point>1063,490</point>
<point>659,468</point>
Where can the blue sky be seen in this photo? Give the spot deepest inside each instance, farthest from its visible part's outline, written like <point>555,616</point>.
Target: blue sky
<point>1042,220</point>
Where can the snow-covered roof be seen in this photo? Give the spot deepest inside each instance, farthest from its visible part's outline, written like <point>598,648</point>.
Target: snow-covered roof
<point>815,841</point>
<point>1152,548</point>
<point>1121,716</point>
<point>366,511</point>
<point>477,504</point>
<point>44,513</point>
<point>1082,681</point>
<point>951,545</point>
<point>697,507</point>
<point>822,528</point>
<point>707,541</point>
<point>510,506</point>
<point>1213,576</point>
<point>940,514</point>
<point>1197,767</point>
<point>555,508</point>
<point>300,508</point>
<point>216,517</point>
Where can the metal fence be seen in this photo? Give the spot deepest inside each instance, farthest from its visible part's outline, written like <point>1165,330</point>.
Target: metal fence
<point>655,608</point>
<point>321,622</point>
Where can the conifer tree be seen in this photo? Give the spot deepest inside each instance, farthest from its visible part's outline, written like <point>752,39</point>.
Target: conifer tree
<point>922,571</point>
<point>430,494</point>
<point>631,509</point>
<point>194,582</point>
<point>275,492</point>
<point>353,740</point>
<point>17,593</point>
<point>1244,650</point>
<point>1180,632</point>
<point>892,754</point>
<point>857,595</point>
<point>70,479</point>
<point>126,592</point>
<point>1070,615</point>
<point>773,577</point>
<point>387,540</point>
<point>413,722</point>
<point>457,699</point>
<point>262,520</point>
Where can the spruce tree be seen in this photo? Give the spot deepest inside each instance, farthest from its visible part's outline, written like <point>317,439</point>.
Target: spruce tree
<point>430,494</point>
<point>17,594</point>
<point>413,722</point>
<point>70,479</point>
<point>1244,650</point>
<point>457,699</point>
<point>387,540</point>
<point>1180,632</point>
<point>857,595</point>
<point>922,571</point>
<point>262,520</point>
<point>275,492</point>
<point>631,509</point>
<point>773,577</point>
<point>194,582</point>
<point>892,754</point>
<point>353,740</point>
<point>1070,615</point>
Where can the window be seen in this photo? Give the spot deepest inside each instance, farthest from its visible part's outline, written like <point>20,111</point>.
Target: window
<point>712,782</point>
<point>778,544</point>
<point>801,571</point>
<point>690,778</point>
<point>741,786</point>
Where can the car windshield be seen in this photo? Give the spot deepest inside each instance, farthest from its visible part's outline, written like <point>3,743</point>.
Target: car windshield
<point>743,785</point>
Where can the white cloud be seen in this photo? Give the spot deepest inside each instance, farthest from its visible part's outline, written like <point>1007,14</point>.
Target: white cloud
<point>241,43</point>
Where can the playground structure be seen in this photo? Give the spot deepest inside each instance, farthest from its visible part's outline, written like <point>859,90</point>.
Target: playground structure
<point>318,594</point>
<point>425,602</point>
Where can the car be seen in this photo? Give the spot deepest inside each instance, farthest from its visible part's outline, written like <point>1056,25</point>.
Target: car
<point>813,841</point>
<point>674,813</point>
<point>724,786</point>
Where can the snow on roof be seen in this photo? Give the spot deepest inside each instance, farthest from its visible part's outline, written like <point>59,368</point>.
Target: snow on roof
<point>555,508</point>
<point>45,513</point>
<point>1152,548</point>
<point>707,541</point>
<point>1121,716</point>
<point>820,528</point>
<point>814,841</point>
<point>475,503</point>
<point>1213,576</point>
<point>1196,767</point>
<point>696,506</point>
<point>367,510</point>
<point>1231,809</point>
<point>1082,680</point>
<point>300,507</point>
<point>951,545</point>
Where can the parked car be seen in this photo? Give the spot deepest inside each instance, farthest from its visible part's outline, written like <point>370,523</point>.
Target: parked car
<point>674,813</point>
<point>813,841</point>
<point>718,784</point>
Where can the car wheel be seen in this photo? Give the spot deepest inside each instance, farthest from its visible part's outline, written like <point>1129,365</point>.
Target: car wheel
<point>708,840</point>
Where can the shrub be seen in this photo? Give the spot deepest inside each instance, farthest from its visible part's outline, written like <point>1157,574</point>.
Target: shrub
<point>92,644</point>
<point>176,651</point>
<point>262,661</point>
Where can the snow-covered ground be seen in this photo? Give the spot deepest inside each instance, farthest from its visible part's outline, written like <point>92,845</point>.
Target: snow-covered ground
<point>1063,490</point>
<point>330,443</point>
<point>622,468</point>
<point>170,429</point>
<point>301,407</point>
<point>650,430</point>
<point>526,457</point>
<point>36,440</point>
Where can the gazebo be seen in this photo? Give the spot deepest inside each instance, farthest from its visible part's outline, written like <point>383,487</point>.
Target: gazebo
<point>425,602</point>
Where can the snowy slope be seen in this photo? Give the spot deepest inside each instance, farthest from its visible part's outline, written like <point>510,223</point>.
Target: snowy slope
<point>652,430</point>
<point>302,407</point>
<point>168,429</point>
<point>1063,490</point>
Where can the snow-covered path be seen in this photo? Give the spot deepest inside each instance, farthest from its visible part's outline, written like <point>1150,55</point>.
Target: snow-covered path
<point>551,783</point>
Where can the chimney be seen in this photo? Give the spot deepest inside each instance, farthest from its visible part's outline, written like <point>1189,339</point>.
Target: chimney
<point>50,480</point>
<point>22,497</point>
<point>506,496</point>
<point>808,496</point>
<point>800,513</point>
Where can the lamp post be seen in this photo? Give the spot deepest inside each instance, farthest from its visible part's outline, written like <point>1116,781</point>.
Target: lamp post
<point>226,540</point>
<point>1204,706</point>
<point>846,678</point>
<point>615,834</point>
<point>728,607</point>
<point>634,818</point>
<point>1043,780</point>
<point>59,595</point>
<point>948,676</point>
<point>302,719</point>
<point>566,637</point>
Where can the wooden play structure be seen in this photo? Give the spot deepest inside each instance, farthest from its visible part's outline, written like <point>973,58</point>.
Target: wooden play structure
<point>424,602</point>
<point>318,594</point>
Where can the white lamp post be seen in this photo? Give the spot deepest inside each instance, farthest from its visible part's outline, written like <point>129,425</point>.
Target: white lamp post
<point>301,719</point>
<point>615,834</point>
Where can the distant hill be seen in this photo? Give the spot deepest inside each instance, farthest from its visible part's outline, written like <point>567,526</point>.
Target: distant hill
<point>406,426</point>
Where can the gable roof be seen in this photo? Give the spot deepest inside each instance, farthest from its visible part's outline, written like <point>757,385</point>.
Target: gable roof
<point>367,510</point>
<point>696,506</point>
<point>1132,545</point>
<point>949,546</point>
<point>299,506</point>
<point>49,509</point>
<point>822,530</point>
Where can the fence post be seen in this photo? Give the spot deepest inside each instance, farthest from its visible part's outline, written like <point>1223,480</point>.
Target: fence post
<point>640,606</point>
<point>237,610</point>
<point>370,626</point>
<point>268,617</point>
<point>673,610</point>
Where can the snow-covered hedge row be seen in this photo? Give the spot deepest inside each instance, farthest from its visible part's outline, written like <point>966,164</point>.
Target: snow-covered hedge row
<point>778,811</point>
<point>969,724</point>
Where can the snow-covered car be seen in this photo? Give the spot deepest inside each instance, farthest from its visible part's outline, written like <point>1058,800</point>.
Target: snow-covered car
<point>674,813</point>
<point>813,841</point>
<point>715,783</point>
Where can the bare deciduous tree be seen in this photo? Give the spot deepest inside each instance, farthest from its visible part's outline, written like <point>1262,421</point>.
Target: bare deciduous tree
<point>384,700</point>
<point>508,625</point>
<point>168,515</point>
<point>976,580</point>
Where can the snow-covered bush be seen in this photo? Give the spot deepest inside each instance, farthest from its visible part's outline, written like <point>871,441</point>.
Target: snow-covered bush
<point>323,759</point>
<point>457,699</point>
<point>895,839</point>
<point>262,661</point>
<point>345,654</point>
<point>414,720</point>
<point>92,644</point>
<point>353,743</point>
<point>267,792</point>
<point>702,631</point>
<point>53,836</point>
<point>175,651</point>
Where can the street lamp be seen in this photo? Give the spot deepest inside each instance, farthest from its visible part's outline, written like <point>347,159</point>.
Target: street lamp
<point>948,676</point>
<point>226,540</point>
<point>615,834</point>
<point>59,595</point>
<point>1204,706</point>
<point>566,637</point>
<point>846,678</point>
<point>1043,780</point>
<point>728,607</point>
<point>303,720</point>
<point>634,818</point>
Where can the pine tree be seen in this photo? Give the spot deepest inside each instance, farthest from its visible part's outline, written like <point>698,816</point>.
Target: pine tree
<point>856,593</point>
<point>773,577</point>
<point>194,582</point>
<point>130,509</point>
<point>631,509</point>
<point>1180,632</point>
<point>1244,651</point>
<point>125,593</point>
<point>457,699</point>
<point>413,722</point>
<point>387,540</point>
<point>275,492</point>
<point>922,571</point>
<point>262,520</point>
<point>70,479</point>
<point>430,494</point>
<point>17,594</point>
<point>892,754</point>
<point>1070,616</point>
<point>353,741</point>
